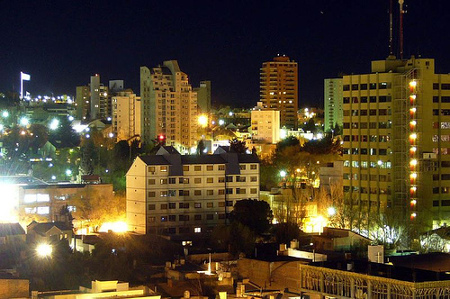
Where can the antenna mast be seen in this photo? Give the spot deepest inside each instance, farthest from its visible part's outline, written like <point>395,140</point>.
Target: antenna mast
<point>391,51</point>
<point>400,2</point>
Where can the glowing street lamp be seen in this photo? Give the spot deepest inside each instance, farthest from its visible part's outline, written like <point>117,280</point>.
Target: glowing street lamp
<point>54,124</point>
<point>44,250</point>
<point>203,120</point>
<point>68,172</point>
<point>5,113</point>
<point>24,121</point>
<point>331,211</point>
<point>283,174</point>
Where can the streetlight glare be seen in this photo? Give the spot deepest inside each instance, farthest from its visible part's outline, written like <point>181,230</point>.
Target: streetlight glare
<point>5,114</point>
<point>44,250</point>
<point>54,124</point>
<point>203,120</point>
<point>24,121</point>
<point>282,173</point>
<point>331,211</point>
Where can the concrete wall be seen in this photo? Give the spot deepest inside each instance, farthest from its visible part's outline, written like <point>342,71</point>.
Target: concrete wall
<point>274,275</point>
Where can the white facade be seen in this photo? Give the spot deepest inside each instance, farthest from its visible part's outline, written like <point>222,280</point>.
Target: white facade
<point>169,106</point>
<point>265,125</point>
<point>173,194</point>
<point>333,103</point>
<point>126,116</point>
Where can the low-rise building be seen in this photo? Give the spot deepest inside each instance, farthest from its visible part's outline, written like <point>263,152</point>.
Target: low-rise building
<point>172,193</point>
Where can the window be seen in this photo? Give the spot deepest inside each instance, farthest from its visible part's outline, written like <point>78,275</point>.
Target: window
<point>198,180</point>
<point>435,86</point>
<point>151,194</point>
<point>229,203</point>
<point>372,86</point>
<point>221,180</point>
<point>210,205</point>
<point>372,99</point>
<point>183,217</point>
<point>229,190</point>
<point>363,86</point>
<point>197,217</point>
<point>210,180</point>
<point>151,169</point>
<point>243,167</point>
<point>253,166</point>
<point>163,168</point>
<point>363,112</point>
<point>151,181</point>
<point>197,192</point>
<point>164,193</point>
<point>151,219</point>
<point>183,205</point>
<point>354,86</point>
<point>221,204</point>
<point>445,86</point>
<point>185,168</point>
<point>172,181</point>
<point>197,168</point>
<point>221,216</point>
<point>163,181</point>
<point>209,192</point>
<point>221,167</point>
<point>346,87</point>
<point>163,206</point>
<point>197,205</point>
<point>372,112</point>
<point>163,218</point>
<point>253,191</point>
<point>221,191</point>
<point>172,205</point>
<point>363,99</point>
<point>152,207</point>
<point>435,99</point>
<point>253,179</point>
<point>209,216</point>
<point>210,167</point>
<point>346,100</point>
<point>172,218</point>
<point>229,179</point>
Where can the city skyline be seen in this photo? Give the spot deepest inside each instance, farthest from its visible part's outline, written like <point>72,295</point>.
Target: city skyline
<point>62,44</point>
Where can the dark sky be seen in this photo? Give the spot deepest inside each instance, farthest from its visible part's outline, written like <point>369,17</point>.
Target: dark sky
<point>61,43</point>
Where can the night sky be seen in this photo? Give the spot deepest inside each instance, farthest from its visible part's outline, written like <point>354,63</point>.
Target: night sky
<point>62,43</point>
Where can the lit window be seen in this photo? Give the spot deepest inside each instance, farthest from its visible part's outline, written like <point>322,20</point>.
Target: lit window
<point>197,230</point>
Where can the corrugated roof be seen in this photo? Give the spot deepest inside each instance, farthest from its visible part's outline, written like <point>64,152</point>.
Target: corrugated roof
<point>11,229</point>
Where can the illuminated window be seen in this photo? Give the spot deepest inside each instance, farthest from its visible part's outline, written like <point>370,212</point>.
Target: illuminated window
<point>29,198</point>
<point>197,229</point>
<point>43,210</point>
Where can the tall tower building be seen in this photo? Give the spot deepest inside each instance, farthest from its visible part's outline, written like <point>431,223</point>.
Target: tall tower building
<point>279,89</point>
<point>204,96</point>
<point>169,106</point>
<point>333,103</point>
<point>93,101</point>
<point>397,140</point>
<point>126,115</point>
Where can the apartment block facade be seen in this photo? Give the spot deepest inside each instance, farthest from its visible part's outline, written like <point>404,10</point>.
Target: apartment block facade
<point>333,103</point>
<point>396,140</point>
<point>126,115</point>
<point>168,106</point>
<point>279,89</point>
<point>177,194</point>
<point>265,125</point>
<point>93,101</point>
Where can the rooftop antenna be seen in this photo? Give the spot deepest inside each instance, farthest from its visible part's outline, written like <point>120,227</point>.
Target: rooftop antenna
<point>391,51</point>
<point>400,2</point>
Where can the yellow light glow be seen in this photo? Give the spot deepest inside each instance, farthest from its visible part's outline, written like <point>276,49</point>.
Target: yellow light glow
<point>413,136</point>
<point>413,149</point>
<point>9,203</point>
<point>413,109</point>
<point>413,83</point>
<point>413,123</point>
<point>413,175</point>
<point>414,188</point>
<point>203,120</point>
<point>413,162</point>
<point>413,215</point>
<point>413,96</point>
<point>44,250</point>
<point>117,227</point>
<point>413,202</point>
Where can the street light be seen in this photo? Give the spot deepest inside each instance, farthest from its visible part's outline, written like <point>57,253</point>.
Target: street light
<point>54,124</point>
<point>331,211</point>
<point>44,250</point>
<point>24,121</point>
<point>283,174</point>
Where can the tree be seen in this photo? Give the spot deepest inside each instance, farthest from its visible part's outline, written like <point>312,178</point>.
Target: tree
<point>253,213</point>
<point>286,232</point>
<point>235,238</point>
<point>238,146</point>
<point>64,136</point>
<point>287,142</point>
<point>201,147</point>
<point>88,155</point>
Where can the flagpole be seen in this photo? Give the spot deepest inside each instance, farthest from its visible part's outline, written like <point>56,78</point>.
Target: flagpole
<point>21,86</point>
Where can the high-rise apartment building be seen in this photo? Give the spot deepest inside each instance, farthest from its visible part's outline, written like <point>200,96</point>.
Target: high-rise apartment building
<point>204,97</point>
<point>279,89</point>
<point>333,103</point>
<point>126,115</point>
<point>93,101</point>
<point>169,106</point>
<point>397,140</point>
<point>172,194</point>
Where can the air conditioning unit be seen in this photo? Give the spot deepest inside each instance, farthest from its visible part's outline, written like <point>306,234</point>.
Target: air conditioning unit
<point>429,156</point>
